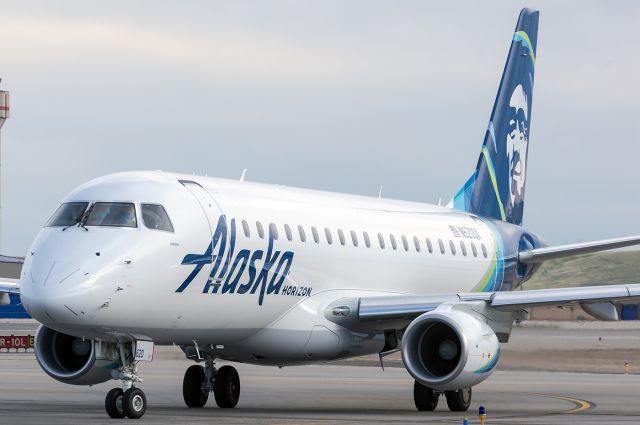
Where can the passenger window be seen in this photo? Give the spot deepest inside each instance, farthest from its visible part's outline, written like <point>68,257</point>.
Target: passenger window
<point>452,246</point>
<point>416,242</point>
<point>463,248</point>
<point>260,229</point>
<point>354,238</point>
<point>441,244</point>
<point>327,233</point>
<point>303,236</point>
<point>287,230</point>
<point>112,214</point>
<point>67,214</point>
<point>155,217</point>
<point>394,245</point>
<point>341,237</point>
<point>367,241</point>
<point>314,232</point>
<point>484,250</point>
<point>273,231</point>
<point>429,246</point>
<point>245,227</point>
<point>474,250</point>
<point>405,243</point>
<point>381,240</point>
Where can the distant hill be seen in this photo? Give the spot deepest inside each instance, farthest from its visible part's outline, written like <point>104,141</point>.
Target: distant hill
<point>585,270</point>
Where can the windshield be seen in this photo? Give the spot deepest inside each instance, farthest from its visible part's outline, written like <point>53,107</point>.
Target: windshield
<point>67,214</point>
<point>114,214</point>
<point>155,217</point>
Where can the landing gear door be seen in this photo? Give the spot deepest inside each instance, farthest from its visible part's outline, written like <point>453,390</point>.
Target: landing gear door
<point>207,203</point>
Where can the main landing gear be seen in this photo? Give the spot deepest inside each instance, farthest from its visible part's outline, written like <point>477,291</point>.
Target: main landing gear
<point>426,399</point>
<point>127,401</point>
<point>200,381</point>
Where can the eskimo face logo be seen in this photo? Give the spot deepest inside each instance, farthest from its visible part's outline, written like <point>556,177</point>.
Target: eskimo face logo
<point>517,140</point>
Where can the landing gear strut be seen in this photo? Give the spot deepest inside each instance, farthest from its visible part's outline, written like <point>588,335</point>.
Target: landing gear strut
<point>200,381</point>
<point>127,401</point>
<point>426,399</point>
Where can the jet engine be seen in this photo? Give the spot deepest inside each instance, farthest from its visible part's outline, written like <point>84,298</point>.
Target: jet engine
<point>74,360</point>
<point>449,350</point>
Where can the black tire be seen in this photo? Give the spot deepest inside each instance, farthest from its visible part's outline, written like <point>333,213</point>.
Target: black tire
<point>134,403</point>
<point>226,387</point>
<point>113,404</point>
<point>425,398</point>
<point>459,400</point>
<point>192,387</point>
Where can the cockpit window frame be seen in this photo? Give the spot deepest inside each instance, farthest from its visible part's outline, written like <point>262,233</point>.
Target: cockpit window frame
<point>113,226</point>
<point>48,222</point>
<point>156,204</point>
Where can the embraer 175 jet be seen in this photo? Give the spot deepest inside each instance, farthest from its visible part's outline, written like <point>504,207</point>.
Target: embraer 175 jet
<point>272,275</point>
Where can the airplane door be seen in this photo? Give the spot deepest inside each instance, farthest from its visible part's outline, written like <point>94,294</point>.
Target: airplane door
<point>209,206</point>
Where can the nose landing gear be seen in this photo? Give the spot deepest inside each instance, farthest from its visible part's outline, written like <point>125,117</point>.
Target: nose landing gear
<point>127,401</point>
<point>200,381</point>
<point>113,404</point>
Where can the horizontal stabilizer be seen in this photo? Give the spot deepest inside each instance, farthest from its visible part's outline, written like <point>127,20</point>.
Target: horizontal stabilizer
<point>539,255</point>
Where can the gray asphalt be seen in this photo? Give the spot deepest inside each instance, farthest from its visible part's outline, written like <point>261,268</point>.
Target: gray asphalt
<point>322,394</point>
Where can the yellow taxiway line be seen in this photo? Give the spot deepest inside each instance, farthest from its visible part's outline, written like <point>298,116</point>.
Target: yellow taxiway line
<point>581,405</point>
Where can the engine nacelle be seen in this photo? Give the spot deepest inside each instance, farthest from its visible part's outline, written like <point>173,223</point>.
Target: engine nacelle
<point>74,360</point>
<point>449,350</point>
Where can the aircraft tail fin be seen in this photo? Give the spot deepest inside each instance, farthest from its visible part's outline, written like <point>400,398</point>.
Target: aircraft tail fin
<point>496,188</point>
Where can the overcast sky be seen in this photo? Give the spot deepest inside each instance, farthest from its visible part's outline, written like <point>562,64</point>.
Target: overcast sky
<point>335,95</point>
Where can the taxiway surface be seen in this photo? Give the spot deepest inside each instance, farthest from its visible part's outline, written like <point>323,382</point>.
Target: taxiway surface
<point>322,395</point>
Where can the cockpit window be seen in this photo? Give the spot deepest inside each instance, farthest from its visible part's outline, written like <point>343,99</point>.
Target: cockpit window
<point>113,214</point>
<point>156,218</point>
<point>67,214</point>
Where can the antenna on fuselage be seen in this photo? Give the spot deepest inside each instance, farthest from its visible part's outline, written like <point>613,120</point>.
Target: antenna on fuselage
<point>380,192</point>
<point>244,173</point>
<point>440,201</point>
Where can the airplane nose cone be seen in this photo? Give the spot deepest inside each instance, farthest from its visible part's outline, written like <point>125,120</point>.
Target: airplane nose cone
<point>54,292</point>
<point>52,272</point>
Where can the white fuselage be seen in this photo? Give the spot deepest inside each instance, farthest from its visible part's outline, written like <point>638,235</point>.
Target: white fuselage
<point>123,283</point>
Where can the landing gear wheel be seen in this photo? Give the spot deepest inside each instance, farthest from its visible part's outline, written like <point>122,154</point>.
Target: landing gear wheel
<point>459,400</point>
<point>113,404</point>
<point>134,403</point>
<point>193,390</point>
<point>226,387</point>
<point>425,398</point>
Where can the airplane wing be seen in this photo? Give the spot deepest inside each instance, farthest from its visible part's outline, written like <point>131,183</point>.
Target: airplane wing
<point>8,286</point>
<point>375,313</point>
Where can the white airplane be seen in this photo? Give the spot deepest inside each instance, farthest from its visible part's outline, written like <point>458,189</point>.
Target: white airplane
<point>278,276</point>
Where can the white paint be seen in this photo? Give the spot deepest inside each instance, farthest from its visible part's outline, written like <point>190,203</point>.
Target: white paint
<point>143,303</point>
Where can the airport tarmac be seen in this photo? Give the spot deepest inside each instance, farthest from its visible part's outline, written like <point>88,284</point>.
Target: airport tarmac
<point>323,394</point>
<point>358,391</point>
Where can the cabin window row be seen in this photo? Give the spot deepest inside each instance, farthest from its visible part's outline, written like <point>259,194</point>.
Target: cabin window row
<point>406,244</point>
